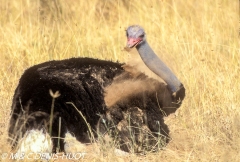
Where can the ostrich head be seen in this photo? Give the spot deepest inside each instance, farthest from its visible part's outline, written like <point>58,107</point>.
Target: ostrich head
<point>135,36</point>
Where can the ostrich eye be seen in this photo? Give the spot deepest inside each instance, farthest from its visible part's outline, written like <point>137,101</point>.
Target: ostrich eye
<point>141,36</point>
<point>127,34</point>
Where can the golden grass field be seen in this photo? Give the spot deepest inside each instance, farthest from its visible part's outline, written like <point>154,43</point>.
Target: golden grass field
<point>199,40</point>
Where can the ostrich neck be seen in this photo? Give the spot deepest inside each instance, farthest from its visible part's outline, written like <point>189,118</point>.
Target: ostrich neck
<point>158,67</point>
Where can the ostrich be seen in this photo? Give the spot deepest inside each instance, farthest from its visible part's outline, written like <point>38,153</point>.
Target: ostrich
<point>56,99</point>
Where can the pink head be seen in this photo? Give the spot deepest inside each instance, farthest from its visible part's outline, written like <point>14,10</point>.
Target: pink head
<point>135,36</point>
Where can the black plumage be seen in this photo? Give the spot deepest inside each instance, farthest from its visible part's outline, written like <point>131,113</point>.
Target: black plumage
<point>80,81</point>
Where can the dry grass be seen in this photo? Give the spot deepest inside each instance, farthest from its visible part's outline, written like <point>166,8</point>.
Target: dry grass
<point>200,43</point>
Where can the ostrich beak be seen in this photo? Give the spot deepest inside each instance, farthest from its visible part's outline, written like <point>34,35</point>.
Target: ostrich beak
<point>132,42</point>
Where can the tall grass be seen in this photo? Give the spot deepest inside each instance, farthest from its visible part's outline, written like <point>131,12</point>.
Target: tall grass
<point>197,39</point>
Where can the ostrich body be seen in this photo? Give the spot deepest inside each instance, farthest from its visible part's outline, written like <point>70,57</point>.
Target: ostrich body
<point>83,84</point>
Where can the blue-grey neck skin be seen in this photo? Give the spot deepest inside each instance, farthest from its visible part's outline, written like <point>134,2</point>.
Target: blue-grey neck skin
<point>158,67</point>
